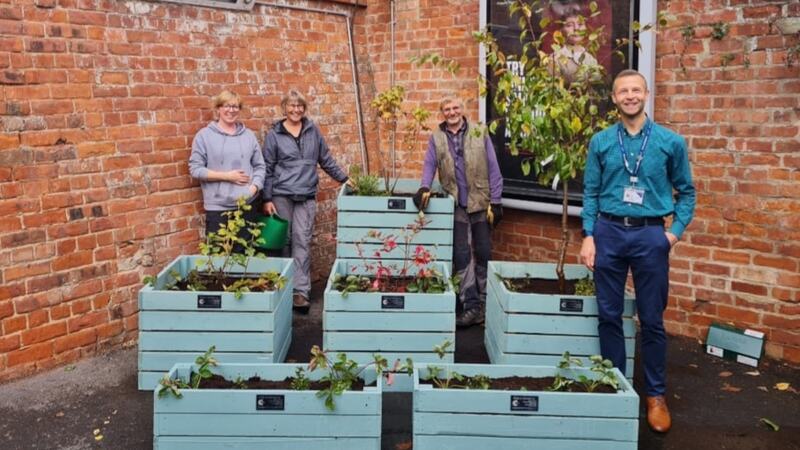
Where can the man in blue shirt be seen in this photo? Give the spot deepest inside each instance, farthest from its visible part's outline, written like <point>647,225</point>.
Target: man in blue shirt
<point>464,158</point>
<point>632,169</point>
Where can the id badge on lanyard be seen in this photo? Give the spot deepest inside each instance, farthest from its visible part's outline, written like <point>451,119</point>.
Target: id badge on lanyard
<point>632,194</point>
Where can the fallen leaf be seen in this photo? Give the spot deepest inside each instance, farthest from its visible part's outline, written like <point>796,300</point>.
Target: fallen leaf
<point>769,423</point>
<point>60,414</point>
<point>99,437</point>
<point>106,422</point>
<point>114,412</point>
<point>693,366</point>
<point>69,368</point>
<point>782,386</point>
<point>754,373</point>
<point>725,374</point>
<point>728,388</point>
<point>677,397</point>
<point>96,431</point>
<point>763,388</point>
<point>403,446</point>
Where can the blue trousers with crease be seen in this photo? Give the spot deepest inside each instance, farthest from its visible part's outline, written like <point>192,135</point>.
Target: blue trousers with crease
<point>645,251</point>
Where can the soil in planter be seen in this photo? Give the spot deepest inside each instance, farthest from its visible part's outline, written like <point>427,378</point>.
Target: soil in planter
<point>390,285</point>
<point>213,284</point>
<point>399,194</point>
<point>254,382</point>
<point>526,384</point>
<point>539,286</point>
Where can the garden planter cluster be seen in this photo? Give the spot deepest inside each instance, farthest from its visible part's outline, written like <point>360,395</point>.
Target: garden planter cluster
<point>357,215</point>
<point>176,326</point>
<point>395,325</point>
<point>212,419</point>
<point>458,419</point>
<point>537,329</point>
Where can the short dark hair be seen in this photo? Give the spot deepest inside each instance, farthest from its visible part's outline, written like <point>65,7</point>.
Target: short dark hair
<point>629,73</point>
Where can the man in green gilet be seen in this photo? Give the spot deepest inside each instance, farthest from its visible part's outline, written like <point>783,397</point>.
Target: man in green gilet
<point>463,156</point>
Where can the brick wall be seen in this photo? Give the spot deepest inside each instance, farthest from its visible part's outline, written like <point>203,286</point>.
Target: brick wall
<point>99,102</point>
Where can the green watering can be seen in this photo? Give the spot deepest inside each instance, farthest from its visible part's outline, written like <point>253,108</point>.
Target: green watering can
<point>274,232</point>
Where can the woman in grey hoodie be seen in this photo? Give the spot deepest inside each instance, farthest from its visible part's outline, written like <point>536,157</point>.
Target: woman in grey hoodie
<point>292,150</point>
<point>227,160</point>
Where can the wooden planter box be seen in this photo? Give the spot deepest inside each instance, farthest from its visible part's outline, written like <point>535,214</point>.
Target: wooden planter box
<point>393,325</point>
<point>213,419</point>
<point>457,419</point>
<point>358,215</point>
<point>176,326</point>
<point>537,329</point>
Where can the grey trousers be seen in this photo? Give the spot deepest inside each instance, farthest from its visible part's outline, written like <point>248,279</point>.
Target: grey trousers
<point>300,215</point>
<point>470,262</point>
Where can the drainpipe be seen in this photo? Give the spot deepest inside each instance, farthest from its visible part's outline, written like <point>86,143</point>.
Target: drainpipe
<point>393,136</point>
<point>353,66</point>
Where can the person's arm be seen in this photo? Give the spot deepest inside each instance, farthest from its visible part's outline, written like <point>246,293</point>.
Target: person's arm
<point>429,165</point>
<point>681,178</point>
<point>327,162</point>
<point>198,162</point>
<point>269,153</point>
<point>592,178</point>
<point>495,177</point>
<point>258,165</point>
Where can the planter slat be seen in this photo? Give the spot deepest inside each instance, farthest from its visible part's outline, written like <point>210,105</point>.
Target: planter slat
<point>480,419</point>
<point>406,187</point>
<point>376,341</point>
<point>250,443</point>
<point>209,417</point>
<point>185,324</point>
<point>427,237</point>
<point>409,321</point>
<point>483,443</point>
<point>371,302</point>
<point>526,426</point>
<point>426,357</point>
<point>365,220</point>
<point>538,328</point>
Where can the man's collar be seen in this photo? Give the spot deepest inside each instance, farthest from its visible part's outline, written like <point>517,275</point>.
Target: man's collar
<point>443,126</point>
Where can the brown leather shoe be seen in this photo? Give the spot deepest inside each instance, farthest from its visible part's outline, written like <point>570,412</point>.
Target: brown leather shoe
<point>658,414</point>
<point>300,304</point>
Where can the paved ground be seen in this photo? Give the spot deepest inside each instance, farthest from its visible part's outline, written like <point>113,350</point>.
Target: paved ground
<point>64,408</point>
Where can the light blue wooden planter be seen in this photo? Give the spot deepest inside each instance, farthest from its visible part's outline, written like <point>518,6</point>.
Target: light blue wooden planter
<point>393,325</point>
<point>214,419</point>
<point>457,419</point>
<point>358,215</point>
<point>176,326</point>
<point>537,329</point>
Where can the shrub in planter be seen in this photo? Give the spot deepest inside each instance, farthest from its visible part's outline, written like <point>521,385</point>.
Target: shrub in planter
<point>240,302</point>
<point>330,403</point>
<point>470,406</point>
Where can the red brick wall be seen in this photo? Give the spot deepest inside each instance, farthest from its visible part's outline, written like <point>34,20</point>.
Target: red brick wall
<point>99,102</point>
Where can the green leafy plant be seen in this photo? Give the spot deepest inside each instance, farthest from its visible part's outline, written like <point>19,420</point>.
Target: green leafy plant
<point>585,286</point>
<point>602,367</point>
<point>366,185</point>
<point>450,379</point>
<point>300,381</point>
<point>204,362</point>
<point>719,30</point>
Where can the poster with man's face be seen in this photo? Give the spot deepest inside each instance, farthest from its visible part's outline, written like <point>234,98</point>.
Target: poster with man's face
<point>569,18</point>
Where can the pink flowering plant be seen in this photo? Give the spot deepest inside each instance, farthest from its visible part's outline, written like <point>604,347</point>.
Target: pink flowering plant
<point>417,273</point>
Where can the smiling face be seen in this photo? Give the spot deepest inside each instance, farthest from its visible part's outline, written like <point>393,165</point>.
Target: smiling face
<point>229,113</point>
<point>294,111</point>
<point>452,112</point>
<point>630,95</point>
<point>573,29</point>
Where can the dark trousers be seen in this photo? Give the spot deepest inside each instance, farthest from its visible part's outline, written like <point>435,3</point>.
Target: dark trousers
<point>216,218</point>
<point>471,238</point>
<point>645,251</point>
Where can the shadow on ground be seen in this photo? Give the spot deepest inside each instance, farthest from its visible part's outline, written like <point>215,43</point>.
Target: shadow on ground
<point>95,404</point>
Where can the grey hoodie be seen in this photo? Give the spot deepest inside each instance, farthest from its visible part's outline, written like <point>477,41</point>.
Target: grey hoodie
<point>213,149</point>
<point>292,167</point>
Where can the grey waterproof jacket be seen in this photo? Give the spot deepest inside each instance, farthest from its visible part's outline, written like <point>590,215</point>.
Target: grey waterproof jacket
<point>292,164</point>
<point>213,149</point>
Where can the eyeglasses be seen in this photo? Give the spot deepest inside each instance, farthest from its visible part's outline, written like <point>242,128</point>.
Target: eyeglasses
<point>230,107</point>
<point>295,106</point>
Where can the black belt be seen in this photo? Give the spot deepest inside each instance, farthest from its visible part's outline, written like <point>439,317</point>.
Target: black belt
<point>634,221</point>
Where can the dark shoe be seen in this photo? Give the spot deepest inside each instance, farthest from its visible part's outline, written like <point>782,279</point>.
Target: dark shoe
<point>300,304</point>
<point>658,414</point>
<point>469,318</point>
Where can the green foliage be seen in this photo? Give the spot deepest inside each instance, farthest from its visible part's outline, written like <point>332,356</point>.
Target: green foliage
<point>585,286</point>
<point>366,185</point>
<point>239,383</point>
<point>452,379</point>
<point>169,386</point>
<point>300,381</point>
<point>603,369</point>
<point>719,30</point>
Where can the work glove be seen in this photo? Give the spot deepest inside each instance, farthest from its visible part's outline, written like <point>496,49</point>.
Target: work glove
<point>494,214</point>
<point>421,198</point>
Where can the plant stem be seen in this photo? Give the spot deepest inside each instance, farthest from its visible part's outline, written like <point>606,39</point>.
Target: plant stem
<point>562,253</point>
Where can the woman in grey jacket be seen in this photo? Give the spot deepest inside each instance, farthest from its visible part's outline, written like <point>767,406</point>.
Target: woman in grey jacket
<point>227,160</point>
<point>292,150</point>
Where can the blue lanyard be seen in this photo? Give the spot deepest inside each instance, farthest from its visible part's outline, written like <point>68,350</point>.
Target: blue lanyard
<point>648,127</point>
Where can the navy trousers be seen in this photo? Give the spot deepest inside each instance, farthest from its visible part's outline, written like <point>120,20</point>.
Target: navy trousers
<point>645,251</point>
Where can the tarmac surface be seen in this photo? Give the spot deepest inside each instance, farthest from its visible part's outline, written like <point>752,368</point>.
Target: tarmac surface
<point>94,404</point>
